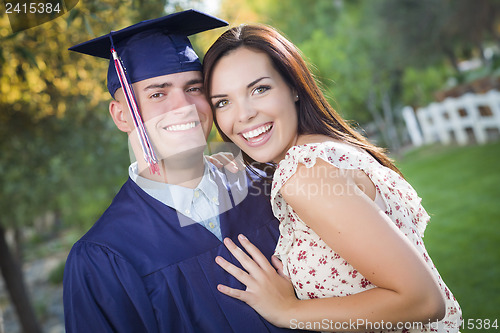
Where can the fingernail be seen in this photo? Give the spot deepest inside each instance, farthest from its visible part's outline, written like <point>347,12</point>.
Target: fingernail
<point>242,237</point>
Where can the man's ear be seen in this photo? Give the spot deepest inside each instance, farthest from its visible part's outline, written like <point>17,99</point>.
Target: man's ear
<point>118,113</point>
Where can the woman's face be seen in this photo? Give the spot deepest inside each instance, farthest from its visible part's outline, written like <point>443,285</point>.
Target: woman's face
<point>254,106</point>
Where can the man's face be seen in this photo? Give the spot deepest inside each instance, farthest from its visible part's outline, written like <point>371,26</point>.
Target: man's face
<point>174,110</point>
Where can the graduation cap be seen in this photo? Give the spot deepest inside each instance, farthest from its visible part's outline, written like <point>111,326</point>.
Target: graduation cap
<point>149,49</point>
<point>152,48</point>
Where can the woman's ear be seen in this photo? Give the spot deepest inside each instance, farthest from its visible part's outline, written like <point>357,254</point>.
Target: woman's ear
<point>118,112</point>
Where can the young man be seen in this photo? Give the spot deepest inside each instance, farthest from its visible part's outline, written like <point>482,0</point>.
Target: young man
<point>147,265</point>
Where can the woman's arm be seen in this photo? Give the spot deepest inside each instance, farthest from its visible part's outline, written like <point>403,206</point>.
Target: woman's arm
<point>351,224</point>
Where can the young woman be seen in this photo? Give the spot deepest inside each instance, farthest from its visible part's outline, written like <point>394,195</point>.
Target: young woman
<point>350,224</point>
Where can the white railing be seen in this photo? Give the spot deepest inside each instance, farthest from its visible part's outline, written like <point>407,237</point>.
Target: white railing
<point>438,122</point>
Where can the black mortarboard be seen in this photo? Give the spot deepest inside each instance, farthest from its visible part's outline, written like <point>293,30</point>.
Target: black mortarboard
<point>152,48</point>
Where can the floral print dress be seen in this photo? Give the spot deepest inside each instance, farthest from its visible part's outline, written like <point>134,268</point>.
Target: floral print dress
<point>315,269</point>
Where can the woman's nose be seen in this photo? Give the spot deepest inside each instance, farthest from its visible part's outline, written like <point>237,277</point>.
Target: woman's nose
<point>246,111</point>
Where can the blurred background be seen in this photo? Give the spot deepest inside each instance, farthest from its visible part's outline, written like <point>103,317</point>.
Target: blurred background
<point>418,77</point>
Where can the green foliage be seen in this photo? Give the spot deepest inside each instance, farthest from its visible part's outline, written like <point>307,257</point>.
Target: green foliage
<point>41,309</point>
<point>343,65</point>
<point>56,275</point>
<point>425,32</point>
<point>294,17</point>
<point>459,187</point>
<point>59,149</point>
<point>421,84</point>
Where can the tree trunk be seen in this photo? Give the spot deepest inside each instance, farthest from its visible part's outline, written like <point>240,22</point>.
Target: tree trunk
<point>17,248</point>
<point>1,322</point>
<point>371,105</point>
<point>392,133</point>
<point>453,59</point>
<point>14,281</point>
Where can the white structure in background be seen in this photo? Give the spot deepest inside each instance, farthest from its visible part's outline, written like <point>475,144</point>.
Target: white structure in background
<point>438,121</point>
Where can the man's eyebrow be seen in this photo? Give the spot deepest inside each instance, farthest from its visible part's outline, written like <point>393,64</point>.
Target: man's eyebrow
<point>194,81</point>
<point>169,84</point>
<point>251,84</point>
<point>158,85</point>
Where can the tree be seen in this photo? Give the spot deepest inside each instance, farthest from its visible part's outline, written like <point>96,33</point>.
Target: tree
<point>53,125</point>
<point>35,90</point>
<point>427,31</point>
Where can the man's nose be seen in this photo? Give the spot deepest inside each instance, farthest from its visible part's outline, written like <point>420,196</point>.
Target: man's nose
<point>178,99</point>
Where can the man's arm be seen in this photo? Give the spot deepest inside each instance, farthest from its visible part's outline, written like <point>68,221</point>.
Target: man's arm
<point>103,293</point>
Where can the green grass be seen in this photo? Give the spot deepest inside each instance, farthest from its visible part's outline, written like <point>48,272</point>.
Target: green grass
<point>460,187</point>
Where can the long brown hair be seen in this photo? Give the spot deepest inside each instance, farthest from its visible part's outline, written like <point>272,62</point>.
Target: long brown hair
<point>315,115</point>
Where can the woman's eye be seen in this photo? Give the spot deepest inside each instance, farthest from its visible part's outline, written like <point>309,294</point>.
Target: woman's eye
<point>261,89</point>
<point>221,103</point>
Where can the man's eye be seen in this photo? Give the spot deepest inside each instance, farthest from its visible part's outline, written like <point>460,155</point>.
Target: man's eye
<point>221,103</point>
<point>157,95</point>
<point>195,89</point>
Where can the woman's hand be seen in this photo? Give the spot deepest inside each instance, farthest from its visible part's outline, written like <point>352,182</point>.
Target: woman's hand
<point>226,160</point>
<point>269,293</point>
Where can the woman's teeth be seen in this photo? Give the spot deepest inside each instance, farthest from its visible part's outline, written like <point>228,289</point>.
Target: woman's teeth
<point>256,132</point>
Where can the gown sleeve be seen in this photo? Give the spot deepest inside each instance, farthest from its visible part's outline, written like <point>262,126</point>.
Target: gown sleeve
<point>104,293</point>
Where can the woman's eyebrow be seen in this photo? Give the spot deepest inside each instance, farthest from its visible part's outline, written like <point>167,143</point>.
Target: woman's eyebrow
<point>251,84</point>
<point>257,81</point>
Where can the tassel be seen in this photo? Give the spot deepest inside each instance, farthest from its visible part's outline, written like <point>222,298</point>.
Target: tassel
<point>149,154</point>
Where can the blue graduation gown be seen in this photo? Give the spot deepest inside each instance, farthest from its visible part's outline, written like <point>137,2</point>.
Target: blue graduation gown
<point>138,270</point>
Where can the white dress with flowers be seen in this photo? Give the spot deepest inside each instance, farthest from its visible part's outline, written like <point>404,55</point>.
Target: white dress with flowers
<point>315,269</point>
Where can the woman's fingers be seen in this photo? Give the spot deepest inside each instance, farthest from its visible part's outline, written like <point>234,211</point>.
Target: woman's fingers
<point>256,254</point>
<point>238,161</point>
<point>235,293</point>
<point>226,160</point>
<point>245,261</point>
<point>237,272</point>
<point>278,265</point>
<point>215,162</point>
<point>266,291</point>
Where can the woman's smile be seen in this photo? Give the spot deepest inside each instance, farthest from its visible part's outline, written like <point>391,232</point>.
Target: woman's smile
<point>258,135</point>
